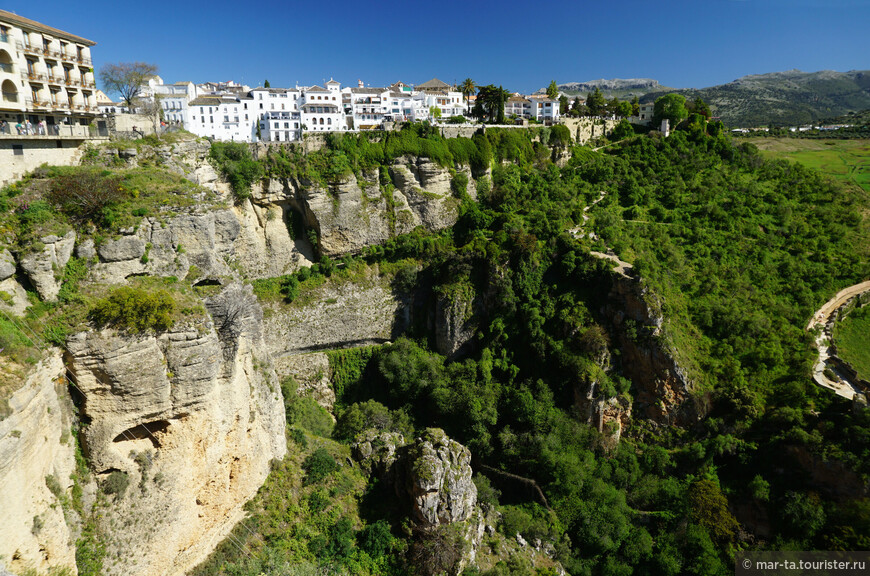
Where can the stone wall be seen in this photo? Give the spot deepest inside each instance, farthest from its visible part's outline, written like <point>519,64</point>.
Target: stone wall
<point>586,129</point>
<point>18,156</point>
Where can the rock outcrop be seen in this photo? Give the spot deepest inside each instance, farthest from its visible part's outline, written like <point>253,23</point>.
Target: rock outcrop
<point>435,475</point>
<point>212,244</point>
<point>377,451</point>
<point>662,386</point>
<point>337,315</point>
<point>456,308</point>
<point>36,450</point>
<point>198,407</point>
<point>355,211</point>
<point>45,262</point>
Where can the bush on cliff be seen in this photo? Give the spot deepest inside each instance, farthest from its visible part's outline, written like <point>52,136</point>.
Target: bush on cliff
<point>234,161</point>
<point>135,309</point>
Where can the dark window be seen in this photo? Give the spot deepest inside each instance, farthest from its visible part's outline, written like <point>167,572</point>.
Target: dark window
<point>18,149</point>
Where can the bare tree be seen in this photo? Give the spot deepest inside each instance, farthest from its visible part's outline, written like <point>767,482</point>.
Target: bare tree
<point>127,78</point>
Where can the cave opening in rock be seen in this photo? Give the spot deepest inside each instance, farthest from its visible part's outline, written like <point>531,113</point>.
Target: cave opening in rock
<point>146,431</point>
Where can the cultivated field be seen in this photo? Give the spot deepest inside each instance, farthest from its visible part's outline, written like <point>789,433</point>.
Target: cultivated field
<point>846,160</point>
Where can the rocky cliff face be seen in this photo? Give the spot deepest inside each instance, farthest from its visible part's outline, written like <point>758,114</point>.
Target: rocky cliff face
<point>36,450</point>
<point>663,389</point>
<point>198,407</point>
<point>355,212</point>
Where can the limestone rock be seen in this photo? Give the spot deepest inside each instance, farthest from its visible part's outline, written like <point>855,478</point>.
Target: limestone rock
<point>86,249</point>
<point>15,298</point>
<point>376,450</point>
<point>7,264</point>
<point>124,248</point>
<point>202,404</point>
<point>337,315</point>
<point>34,444</point>
<point>662,383</point>
<point>44,266</point>
<point>436,476</point>
<point>455,319</point>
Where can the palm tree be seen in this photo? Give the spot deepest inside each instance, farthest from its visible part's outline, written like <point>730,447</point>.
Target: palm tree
<point>468,87</point>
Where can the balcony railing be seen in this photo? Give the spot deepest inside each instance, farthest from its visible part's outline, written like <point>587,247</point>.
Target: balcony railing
<point>10,96</point>
<point>83,60</point>
<point>33,76</point>
<point>55,79</point>
<point>5,67</point>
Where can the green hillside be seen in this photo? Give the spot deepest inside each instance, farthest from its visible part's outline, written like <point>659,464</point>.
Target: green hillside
<point>789,98</point>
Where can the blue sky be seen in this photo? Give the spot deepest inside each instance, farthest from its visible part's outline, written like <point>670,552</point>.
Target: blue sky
<point>520,45</point>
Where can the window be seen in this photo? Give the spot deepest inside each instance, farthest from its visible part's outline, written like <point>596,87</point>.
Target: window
<point>329,121</point>
<point>286,125</point>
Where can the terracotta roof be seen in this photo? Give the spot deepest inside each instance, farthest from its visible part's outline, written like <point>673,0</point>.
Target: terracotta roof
<point>22,22</point>
<point>433,84</point>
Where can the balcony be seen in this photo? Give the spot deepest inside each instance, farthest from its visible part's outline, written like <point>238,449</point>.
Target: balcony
<point>33,76</point>
<point>29,48</point>
<point>10,96</point>
<point>7,68</point>
<point>83,60</point>
<point>54,79</point>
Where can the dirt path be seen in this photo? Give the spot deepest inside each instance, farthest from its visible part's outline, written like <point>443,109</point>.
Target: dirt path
<point>822,319</point>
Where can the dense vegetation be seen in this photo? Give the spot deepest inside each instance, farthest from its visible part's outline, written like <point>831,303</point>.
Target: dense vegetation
<point>739,250</point>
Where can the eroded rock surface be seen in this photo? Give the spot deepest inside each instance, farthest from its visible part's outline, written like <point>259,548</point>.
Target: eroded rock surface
<point>35,444</point>
<point>198,407</point>
<point>45,264</point>
<point>435,474</point>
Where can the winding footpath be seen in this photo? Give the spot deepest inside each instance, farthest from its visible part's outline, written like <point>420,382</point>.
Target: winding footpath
<point>822,319</point>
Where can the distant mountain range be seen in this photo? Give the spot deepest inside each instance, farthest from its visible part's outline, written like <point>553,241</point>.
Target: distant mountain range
<point>620,87</point>
<point>788,98</point>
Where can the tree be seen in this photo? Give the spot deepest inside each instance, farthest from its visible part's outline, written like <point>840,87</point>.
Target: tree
<point>671,107</point>
<point>700,107</point>
<point>552,90</point>
<point>596,102</point>
<point>266,84</point>
<point>127,78</point>
<point>624,109</point>
<point>635,106</point>
<point>563,104</point>
<point>435,112</point>
<point>468,87</point>
<point>490,103</point>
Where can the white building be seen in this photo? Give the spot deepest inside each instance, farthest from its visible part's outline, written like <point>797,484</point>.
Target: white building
<point>519,106</point>
<point>46,75</point>
<point>223,118</point>
<point>545,109</point>
<point>644,115</point>
<point>450,103</point>
<point>322,109</point>
<point>366,108</point>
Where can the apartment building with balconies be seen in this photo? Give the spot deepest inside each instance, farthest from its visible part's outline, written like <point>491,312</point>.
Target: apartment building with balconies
<point>46,76</point>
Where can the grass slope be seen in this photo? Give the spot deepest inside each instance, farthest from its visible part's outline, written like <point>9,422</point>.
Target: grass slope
<point>853,340</point>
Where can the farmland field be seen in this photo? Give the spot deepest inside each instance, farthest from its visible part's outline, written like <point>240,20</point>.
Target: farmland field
<point>845,160</point>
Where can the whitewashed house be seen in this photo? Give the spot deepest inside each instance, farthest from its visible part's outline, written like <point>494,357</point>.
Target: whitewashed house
<point>222,118</point>
<point>322,109</point>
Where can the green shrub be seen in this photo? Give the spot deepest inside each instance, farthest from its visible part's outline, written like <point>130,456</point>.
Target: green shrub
<point>308,414</point>
<point>89,195</point>
<point>318,465</point>
<point>116,483</point>
<point>135,309</point>
<point>234,161</point>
